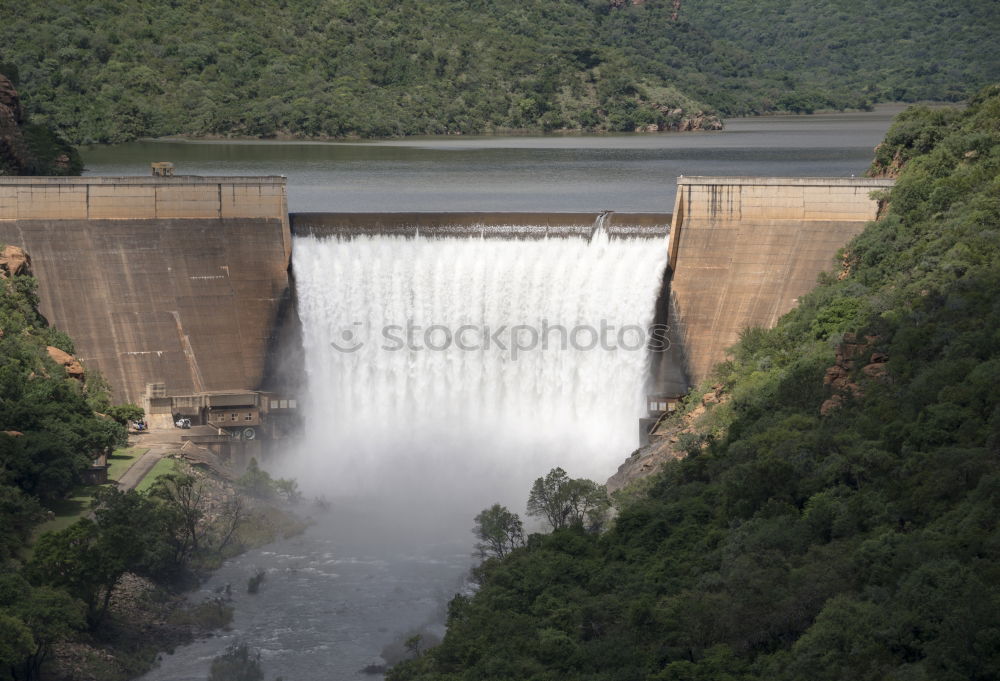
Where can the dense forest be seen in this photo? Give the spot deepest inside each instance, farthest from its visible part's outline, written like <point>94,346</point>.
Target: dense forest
<point>103,71</point>
<point>27,148</point>
<point>836,516</point>
<point>801,55</point>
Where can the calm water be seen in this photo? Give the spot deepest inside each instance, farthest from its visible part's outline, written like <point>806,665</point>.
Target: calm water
<point>566,173</point>
<point>353,584</point>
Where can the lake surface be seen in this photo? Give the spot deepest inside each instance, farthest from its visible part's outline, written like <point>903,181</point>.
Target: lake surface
<point>334,597</point>
<point>632,172</point>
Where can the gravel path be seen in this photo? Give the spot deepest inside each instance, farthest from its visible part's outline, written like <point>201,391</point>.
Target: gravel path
<point>160,443</point>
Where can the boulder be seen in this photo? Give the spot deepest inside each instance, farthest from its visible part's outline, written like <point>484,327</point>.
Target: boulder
<point>876,372</point>
<point>716,396</point>
<point>830,404</point>
<point>73,367</point>
<point>13,262</point>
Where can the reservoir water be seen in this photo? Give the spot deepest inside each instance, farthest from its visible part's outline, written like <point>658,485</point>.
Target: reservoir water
<point>381,563</point>
<point>555,173</point>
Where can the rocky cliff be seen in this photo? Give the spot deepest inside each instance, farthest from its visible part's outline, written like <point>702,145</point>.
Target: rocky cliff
<point>676,436</point>
<point>676,119</point>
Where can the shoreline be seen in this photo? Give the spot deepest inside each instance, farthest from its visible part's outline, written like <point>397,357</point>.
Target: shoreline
<point>353,140</point>
<point>147,620</point>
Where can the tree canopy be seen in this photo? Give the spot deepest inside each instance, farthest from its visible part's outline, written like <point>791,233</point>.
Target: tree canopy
<point>103,71</point>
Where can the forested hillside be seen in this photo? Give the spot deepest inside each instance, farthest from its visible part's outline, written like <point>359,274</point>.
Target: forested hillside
<point>838,513</point>
<point>27,148</point>
<point>103,71</point>
<point>800,55</point>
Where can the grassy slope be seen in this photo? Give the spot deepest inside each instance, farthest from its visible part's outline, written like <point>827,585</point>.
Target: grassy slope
<point>110,71</point>
<point>162,467</point>
<point>122,460</point>
<point>863,544</point>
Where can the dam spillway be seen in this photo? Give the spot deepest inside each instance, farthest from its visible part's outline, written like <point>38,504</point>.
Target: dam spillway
<point>486,225</point>
<point>482,360</point>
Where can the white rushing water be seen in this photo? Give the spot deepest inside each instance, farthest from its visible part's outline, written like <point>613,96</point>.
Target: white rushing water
<point>446,374</point>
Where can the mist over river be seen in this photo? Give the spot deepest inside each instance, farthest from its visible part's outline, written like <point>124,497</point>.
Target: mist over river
<point>377,566</point>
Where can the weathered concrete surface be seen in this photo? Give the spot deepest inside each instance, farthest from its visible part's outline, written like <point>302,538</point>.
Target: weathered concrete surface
<point>190,196</point>
<point>743,250</point>
<point>186,301</point>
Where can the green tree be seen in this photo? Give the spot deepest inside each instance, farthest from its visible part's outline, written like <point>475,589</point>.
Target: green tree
<point>499,531</point>
<point>19,513</point>
<point>38,617</point>
<point>563,501</point>
<point>16,645</point>
<point>183,500</point>
<point>256,482</point>
<point>89,558</point>
<point>124,413</point>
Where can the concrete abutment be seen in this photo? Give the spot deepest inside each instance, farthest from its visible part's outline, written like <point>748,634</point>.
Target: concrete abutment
<point>744,249</point>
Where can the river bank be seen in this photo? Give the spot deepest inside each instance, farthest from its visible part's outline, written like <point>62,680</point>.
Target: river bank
<point>147,620</point>
<point>338,600</point>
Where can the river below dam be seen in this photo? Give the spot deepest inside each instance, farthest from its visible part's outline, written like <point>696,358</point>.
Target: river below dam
<point>381,562</point>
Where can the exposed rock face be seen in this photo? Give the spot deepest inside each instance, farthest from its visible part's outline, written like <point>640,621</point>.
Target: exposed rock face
<point>678,120</point>
<point>890,169</point>
<point>670,441</point>
<point>699,121</point>
<point>73,367</point>
<point>14,262</point>
<point>840,377</point>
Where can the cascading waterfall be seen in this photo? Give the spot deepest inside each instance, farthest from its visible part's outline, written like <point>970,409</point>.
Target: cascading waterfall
<point>445,374</point>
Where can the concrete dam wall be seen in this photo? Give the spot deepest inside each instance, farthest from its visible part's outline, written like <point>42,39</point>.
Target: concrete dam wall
<point>174,280</point>
<point>743,249</point>
<point>185,280</point>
